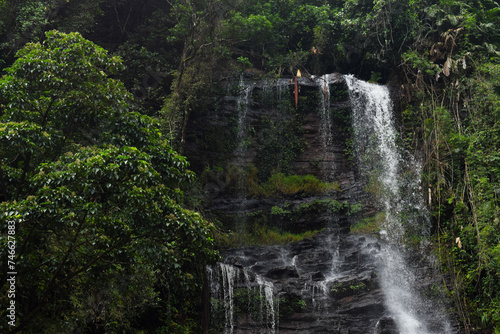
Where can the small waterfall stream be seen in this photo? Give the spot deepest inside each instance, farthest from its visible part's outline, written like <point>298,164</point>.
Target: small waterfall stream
<point>242,102</point>
<point>233,289</point>
<point>323,83</point>
<point>393,175</point>
<point>394,182</point>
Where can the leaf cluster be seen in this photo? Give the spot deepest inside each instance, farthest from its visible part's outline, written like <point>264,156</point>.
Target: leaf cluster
<point>95,192</point>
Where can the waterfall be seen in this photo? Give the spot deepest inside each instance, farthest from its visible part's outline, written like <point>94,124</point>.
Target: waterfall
<point>335,280</point>
<point>234,291</point>
<point>228,274</point>
<point>326,124</point>
<point>281,87</point>
<point>242,102</point>
<point>393,175</point>
<point>375,147</point>
<point>393,178</point>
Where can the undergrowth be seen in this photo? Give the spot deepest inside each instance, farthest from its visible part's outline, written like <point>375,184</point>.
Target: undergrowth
<point>369,225</point>
<point>260,235</point>
<point>280,185</point>
<point>235,180</point>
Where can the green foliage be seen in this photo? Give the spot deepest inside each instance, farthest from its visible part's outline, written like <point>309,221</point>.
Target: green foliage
<point>203,59</point>
<point>287,216</point>
<point>245,62</point>
<point>261,235</point>
<point>445,52</point>
<point>290,304</point>
<point>278,210</point>
<point>58,91</point>
<point>27,21</point>
<point>95,193</point>
<point>80,16</point>
<point>234,180</point>
<point>280,185</point>
<point>284,36</point>
<point>420,62</point>
<point>330,205</point>
<point>375,78</point>
<point>369,225</point>
<point>281,224</point>
<point>453,118</point>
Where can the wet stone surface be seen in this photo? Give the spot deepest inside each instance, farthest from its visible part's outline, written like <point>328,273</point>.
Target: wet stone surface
<point>330,283</point>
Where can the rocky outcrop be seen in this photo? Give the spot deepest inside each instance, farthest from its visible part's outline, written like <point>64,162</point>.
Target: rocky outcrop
<point>242,132</point>
<point>264,109</point>
<point>330,283</point>
<point>386,325</point>
<point>326,284</point>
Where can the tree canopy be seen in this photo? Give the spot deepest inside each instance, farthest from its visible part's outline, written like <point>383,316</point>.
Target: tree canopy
<point>94,190</point>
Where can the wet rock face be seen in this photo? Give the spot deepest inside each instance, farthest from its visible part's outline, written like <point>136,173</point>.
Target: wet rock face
<point>282,273</point>
<point>386,325</point>
<point>326,284</point>
<point>240,128</point>
<point>259,127</point>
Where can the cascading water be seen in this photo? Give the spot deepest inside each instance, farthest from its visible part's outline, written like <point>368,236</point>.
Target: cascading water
<point>228,274</point>
<point>233,289</point>
<point>393,177</point>
<point>375,146</point>
<point>323,83</point>
<point>243,101</point>
<point>394,181</point>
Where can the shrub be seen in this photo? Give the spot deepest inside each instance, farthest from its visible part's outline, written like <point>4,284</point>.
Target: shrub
<point>280,185</point>
<point>369,225</point>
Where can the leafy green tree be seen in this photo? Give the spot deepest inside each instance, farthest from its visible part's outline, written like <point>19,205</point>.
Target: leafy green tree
<point>94,189</point>
<point>20,22</point>
<point>23,21</point>
<point>197,31</point>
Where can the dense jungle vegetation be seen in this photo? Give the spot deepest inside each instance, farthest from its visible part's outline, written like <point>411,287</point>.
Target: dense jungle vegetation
<point>95,96</point>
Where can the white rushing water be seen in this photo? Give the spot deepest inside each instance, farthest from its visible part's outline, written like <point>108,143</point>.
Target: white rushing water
<point>234,289</point>
<point>394,181</point>
<point>375,146</point>
<point>326,124</point>
<point>228,274</point>
<point>325,130</point>
<point>242,301</point>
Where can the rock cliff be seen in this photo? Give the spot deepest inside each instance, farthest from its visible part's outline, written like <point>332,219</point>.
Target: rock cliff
<point>329,283</point>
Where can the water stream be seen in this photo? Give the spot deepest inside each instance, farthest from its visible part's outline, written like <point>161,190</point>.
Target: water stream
<point>243,101</point>
<point>232,290</point>
<point>323,84</point>
<point>393,179</point>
